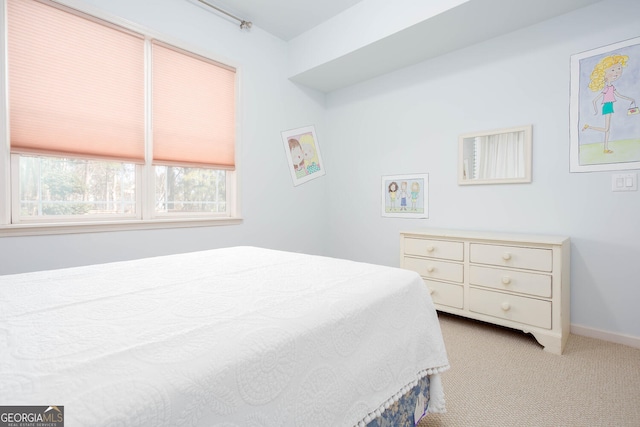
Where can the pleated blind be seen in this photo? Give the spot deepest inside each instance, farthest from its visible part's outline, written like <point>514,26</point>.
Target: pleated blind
<point>193,109</point>
<point>76,85</point>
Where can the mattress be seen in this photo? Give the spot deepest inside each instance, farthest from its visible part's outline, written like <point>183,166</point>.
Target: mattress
<point>239,336</point>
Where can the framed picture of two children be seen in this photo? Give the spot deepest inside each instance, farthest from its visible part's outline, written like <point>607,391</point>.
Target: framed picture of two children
<point>303,154</point>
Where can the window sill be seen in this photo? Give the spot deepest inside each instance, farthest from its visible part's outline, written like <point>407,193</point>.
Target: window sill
<point>40,229</point>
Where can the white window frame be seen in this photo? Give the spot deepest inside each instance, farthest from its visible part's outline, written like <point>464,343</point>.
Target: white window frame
<point>146,217</point>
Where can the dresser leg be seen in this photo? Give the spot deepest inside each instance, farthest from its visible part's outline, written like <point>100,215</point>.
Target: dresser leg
<point>551,344</point>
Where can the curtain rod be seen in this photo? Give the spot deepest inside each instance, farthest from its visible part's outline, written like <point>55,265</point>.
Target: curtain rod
<point>243,24</point>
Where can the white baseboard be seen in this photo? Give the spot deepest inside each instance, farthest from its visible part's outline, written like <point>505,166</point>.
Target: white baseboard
<point>585,331</point>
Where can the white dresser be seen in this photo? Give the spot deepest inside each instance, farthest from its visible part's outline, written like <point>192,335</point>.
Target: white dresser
<point>516,280</point>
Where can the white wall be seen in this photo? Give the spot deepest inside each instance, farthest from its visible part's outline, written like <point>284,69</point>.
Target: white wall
<point>409,121</point>
<point>276,214</point>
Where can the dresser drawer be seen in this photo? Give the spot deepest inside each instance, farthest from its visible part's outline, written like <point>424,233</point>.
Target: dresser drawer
<point>511,256</point>
<point>511,280</point>
<point>433,269</point>
<point>519,309</point>
<point>446,293</point>
<point>441,249</point>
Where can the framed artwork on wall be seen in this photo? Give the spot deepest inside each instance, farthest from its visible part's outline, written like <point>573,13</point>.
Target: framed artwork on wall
<point>405,196</point>
<point>604,114</point>
<point>303,154</point>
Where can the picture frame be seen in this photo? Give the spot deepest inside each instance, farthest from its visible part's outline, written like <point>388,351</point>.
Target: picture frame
<point>405,196</point>
<point>303,154</point>
<point>604,113</point>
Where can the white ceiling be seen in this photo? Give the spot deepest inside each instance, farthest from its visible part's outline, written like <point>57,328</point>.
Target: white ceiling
<point>285,19</point>
<point>329,64</point>
<point>468,22</point>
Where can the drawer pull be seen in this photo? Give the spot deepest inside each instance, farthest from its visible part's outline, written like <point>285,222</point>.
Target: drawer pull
<point>506,256</point>
<point>430,269</point>
<point>431,291</point>
<point>506,280</point>
<point>505,306</point>
<point>430,248</point>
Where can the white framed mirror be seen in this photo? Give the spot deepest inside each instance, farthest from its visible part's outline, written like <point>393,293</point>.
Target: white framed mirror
<point>501,156</point>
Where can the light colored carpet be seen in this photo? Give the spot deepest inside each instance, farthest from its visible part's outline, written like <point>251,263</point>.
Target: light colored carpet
<point>500,377</point>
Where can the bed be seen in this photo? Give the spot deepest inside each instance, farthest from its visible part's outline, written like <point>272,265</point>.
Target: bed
<point>239,336</point>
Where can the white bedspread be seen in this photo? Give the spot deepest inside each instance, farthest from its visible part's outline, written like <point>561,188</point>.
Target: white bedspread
<point>229,337</point>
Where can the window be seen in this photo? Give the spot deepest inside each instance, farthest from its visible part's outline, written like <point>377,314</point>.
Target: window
<point>181,189</point>
<point>108,123</point>
<point>63,187</point>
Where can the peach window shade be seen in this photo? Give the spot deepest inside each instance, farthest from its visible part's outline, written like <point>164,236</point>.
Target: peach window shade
<point>76,86</point>
<point>193,109</point>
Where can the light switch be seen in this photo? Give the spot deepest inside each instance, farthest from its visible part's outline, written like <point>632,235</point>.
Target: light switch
<point>624,182</point>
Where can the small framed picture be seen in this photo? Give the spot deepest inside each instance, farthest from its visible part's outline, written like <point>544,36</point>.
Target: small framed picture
<point>303,154</point>
<point>405,196</point>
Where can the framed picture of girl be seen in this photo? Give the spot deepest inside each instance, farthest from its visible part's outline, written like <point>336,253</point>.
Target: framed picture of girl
<point>604,114</point>
<point>303,154</point>
<point>405,196</point>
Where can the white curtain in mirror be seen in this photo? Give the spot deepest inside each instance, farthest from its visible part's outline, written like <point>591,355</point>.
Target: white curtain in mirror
<point>499,156</point>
